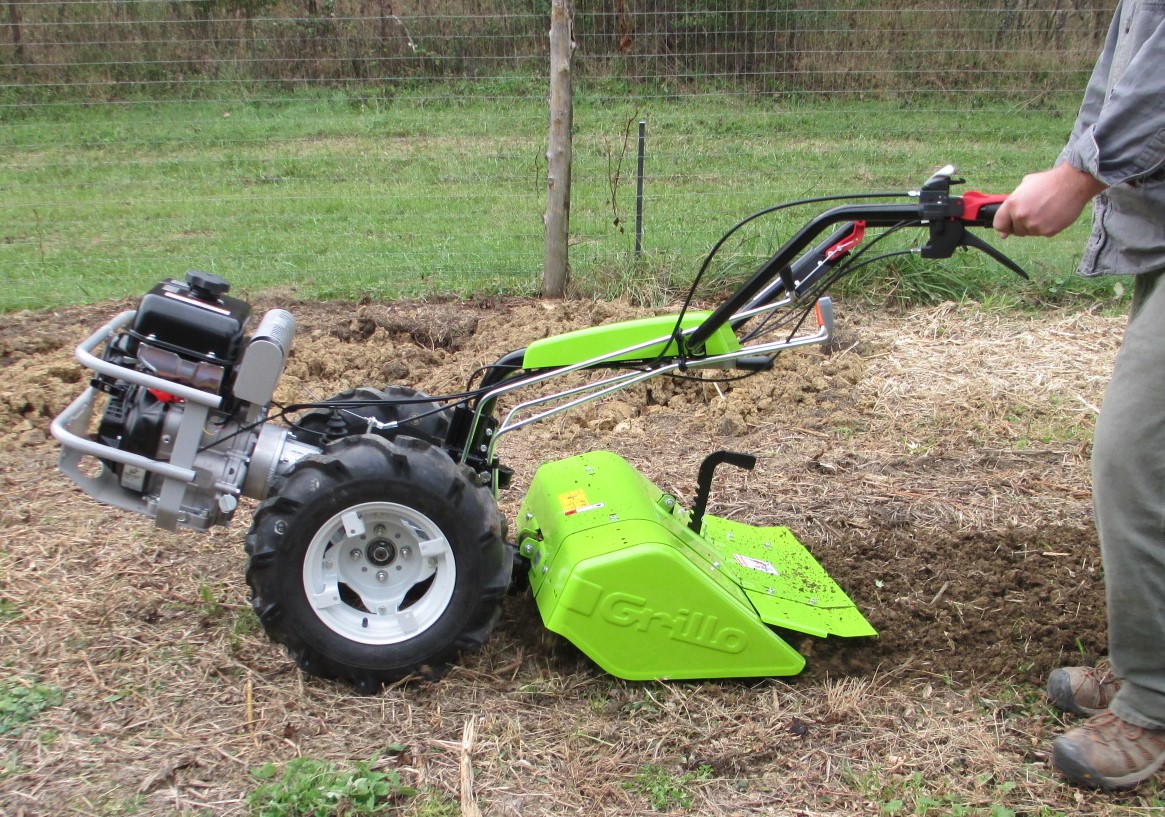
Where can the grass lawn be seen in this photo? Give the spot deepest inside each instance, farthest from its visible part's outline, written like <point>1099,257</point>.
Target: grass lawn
<point>335,196</point>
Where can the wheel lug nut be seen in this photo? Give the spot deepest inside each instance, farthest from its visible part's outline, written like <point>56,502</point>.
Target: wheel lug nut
<point>355,553</point>
<point>379,530</point>
<point>406,552</point>
<point>381,576</point>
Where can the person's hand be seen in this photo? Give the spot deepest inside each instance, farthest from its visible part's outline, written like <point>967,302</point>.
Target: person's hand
<point>1047,202</point>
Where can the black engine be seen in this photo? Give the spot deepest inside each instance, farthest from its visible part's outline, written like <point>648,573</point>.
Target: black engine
<point>183,430</point>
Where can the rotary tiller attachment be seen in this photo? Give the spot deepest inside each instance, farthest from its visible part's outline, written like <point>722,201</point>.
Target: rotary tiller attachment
<point>648,590</point>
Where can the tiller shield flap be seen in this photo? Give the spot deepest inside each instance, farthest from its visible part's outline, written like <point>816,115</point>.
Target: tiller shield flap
<point>615,570</point>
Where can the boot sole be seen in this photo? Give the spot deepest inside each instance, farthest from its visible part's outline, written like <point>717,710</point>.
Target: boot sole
<point>1067,759</point>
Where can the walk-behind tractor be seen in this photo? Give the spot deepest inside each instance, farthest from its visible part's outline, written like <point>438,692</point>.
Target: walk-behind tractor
<point>378,551</point>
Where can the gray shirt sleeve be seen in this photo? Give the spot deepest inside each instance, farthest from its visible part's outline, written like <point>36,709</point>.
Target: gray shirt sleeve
<point>1119,135</point>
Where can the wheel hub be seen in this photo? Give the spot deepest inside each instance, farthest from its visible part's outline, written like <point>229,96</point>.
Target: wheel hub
<point>381,552</point>
<point>379,573</point>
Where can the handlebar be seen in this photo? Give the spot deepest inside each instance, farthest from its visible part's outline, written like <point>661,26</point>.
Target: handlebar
<point>979,209</point>
<point>987,214</point>
<point>947,217</point>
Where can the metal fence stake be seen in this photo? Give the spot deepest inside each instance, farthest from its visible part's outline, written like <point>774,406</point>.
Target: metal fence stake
<point>639,190</point>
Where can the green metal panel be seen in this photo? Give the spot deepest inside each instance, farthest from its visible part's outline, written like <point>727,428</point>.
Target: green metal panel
<point>607,339</point>
<point>783,581</point>
<point>615,570</point>
<point>646,612</point>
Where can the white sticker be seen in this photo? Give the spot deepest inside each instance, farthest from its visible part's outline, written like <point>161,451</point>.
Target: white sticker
<point>756,564</point>
<point>584,509</point>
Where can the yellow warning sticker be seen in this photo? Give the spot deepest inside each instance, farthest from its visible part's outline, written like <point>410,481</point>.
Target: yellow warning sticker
<point>573,500</point>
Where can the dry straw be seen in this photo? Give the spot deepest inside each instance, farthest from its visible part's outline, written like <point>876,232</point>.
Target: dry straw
<point>940,428</point>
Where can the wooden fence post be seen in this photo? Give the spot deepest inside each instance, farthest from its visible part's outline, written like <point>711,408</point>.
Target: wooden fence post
<point>14,24</point>
<point>558,154</point>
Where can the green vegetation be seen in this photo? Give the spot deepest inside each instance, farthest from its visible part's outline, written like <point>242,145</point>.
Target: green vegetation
<point>918,797</point>
<point>22,700</point>
<point>665,790</point>
<point>309,787</point>
<point>334,195</point>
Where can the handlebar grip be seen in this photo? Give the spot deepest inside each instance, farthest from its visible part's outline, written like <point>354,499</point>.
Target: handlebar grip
<point>987,211</point>
<point>979,209</point>
<point>986,215</point>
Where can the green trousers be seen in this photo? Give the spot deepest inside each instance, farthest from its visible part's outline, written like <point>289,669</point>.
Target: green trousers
<point>1128,491</point>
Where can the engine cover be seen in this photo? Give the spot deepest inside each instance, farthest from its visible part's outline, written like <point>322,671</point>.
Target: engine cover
<point>195,319</point>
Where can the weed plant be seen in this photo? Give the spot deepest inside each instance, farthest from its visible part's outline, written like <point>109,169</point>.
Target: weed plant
<point>22,700</point>
<point>308,787</point>
<point>664,790</point>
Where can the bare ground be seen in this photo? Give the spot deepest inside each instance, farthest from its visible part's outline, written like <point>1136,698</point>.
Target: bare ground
<point>935,461</point>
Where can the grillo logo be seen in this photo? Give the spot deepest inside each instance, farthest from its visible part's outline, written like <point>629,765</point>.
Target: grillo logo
<point>686,626</point>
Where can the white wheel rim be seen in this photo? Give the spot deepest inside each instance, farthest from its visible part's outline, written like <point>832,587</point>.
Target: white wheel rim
<point>379,573</point>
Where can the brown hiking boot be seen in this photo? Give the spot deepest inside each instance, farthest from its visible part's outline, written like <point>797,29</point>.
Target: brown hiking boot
<point>1107,753</point>
<point>1083,690</point>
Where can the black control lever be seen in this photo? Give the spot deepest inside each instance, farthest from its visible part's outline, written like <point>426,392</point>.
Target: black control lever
<point>945,215</point>
<point>704,481</point>
<point>948,217</point>
<point>972,240</point>
<point>946,236</point>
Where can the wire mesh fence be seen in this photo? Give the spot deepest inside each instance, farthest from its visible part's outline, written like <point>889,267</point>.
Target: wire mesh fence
<point>100,47</point>
<point>397,148</point>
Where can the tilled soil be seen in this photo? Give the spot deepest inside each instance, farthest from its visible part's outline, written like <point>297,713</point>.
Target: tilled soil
<point>934,461</point>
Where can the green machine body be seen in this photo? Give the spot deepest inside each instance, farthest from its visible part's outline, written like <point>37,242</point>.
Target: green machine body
<point>616,569</point>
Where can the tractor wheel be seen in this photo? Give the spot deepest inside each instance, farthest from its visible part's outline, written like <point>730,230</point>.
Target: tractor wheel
<point>377,560</point>
<point>319,426</point>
